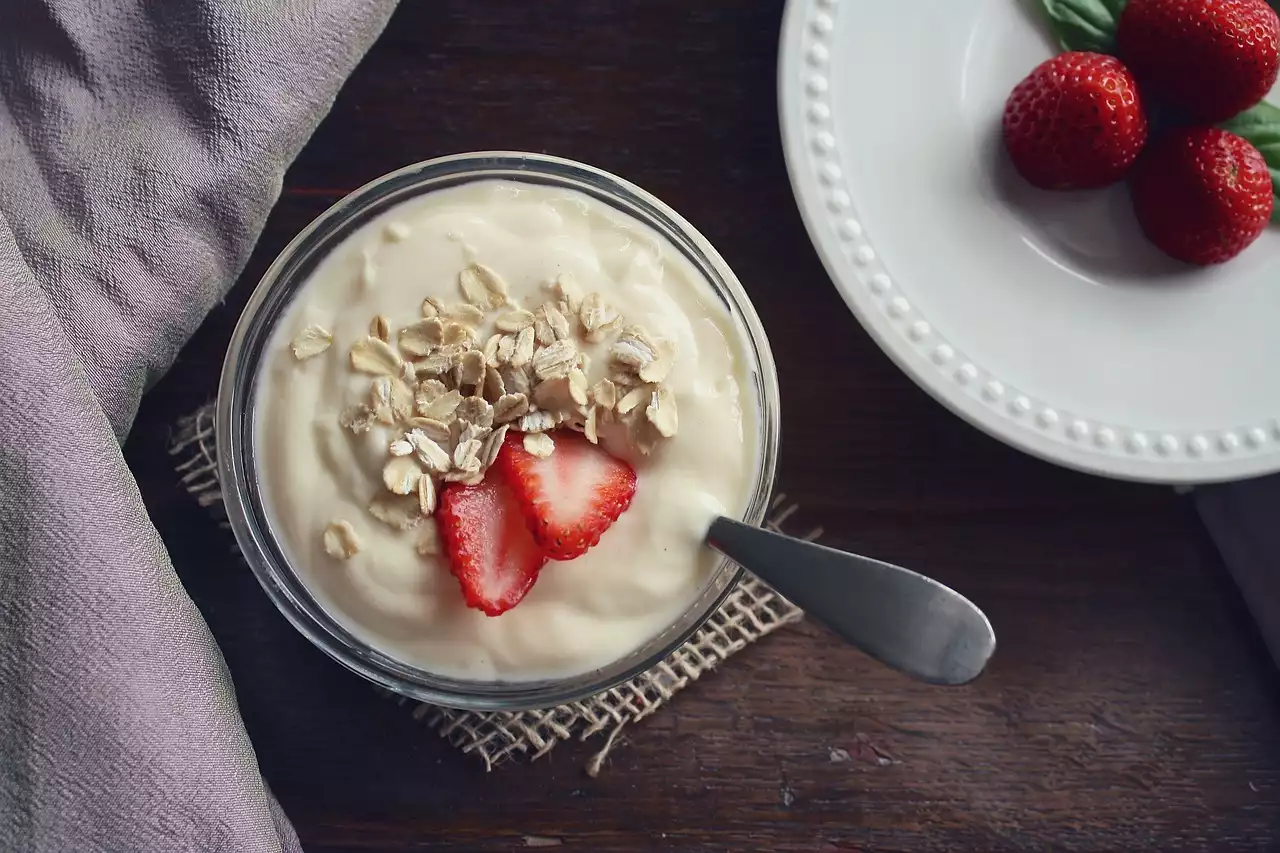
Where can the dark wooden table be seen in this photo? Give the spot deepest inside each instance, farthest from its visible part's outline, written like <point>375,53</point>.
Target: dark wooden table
<point>1131,704</point>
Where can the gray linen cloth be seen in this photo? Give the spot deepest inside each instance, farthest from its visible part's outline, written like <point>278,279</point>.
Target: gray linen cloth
<point>142,143</point>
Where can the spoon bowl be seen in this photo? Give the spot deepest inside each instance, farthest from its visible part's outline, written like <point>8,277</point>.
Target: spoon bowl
<point>901,618</point>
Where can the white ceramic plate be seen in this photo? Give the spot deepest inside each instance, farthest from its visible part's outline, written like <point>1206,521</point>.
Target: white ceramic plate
<point>1043,318</point>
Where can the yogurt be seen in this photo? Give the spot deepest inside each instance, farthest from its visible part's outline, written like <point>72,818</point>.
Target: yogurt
<point>582,614</point>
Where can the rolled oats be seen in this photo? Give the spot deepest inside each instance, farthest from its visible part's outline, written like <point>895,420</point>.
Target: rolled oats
<point>436,364</point>
<point>506,347</point>
<point>553,394</point>
<point>661,412</point>
<point>401,396</point>
<point>453,352</point>
<point>380,400</point>
<point>400,512</point>
<point>633,348</point>
<point>657,370</point>
<point>459,401</point>
<point>468,432</point>
<point>464,313</point>
<point>494,388</point>
<point>401,475</point>
<point>559,324</point>
<point>467,477</point>
<point>539,444</point>
<point>523,351</point>
<point>622,376</point>
<point>537,422</point>
<point>493,284</point>
<point>471,368</point>
<point>466,456</point>
<point>426,495</point>
<point>492,445</point>
<point>431,454</point>
<point>542,332</point>
<point>311,341</point>
<point>340,539</point>
<point>514,320</point>
<point>473,290</point>
<point>358,418</point>
<point>578,386</point>
<point>428,390</point>
<point>555,360</point>
<point>437,431</point>
<point>442,407</point>
<point>509,407</point>
<point>598,317</point>
<point>567,291</point>
<point>371,355</point>
<point>491,350</point>
<point>475,411</point>
<point>455,334</point>
<point>421,337</point>
<point>368,269</point>
<point>633,398</point>
<point>515,380</point>
<point>605,394</point>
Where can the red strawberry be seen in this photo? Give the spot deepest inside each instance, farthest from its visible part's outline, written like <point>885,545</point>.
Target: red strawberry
<point>1075,122</point>
<point>1202,194</point>
<point>1210,59</point>
<point>572,496</point>
<point>488,544</point>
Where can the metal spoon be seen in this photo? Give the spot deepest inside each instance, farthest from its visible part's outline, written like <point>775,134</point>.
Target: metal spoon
<point>902,619</point>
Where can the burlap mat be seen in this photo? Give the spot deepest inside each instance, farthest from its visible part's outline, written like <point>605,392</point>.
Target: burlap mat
<point>750,612</point>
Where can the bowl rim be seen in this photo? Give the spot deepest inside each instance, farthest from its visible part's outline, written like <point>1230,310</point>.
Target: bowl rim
<point>234,421</point>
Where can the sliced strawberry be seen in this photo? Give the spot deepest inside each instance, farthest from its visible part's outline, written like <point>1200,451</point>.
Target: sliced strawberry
<point>572,496</point>
<point>488,544</point>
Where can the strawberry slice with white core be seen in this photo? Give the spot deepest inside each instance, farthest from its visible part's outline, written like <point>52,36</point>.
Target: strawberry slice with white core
<point>569,498</point>
<point>488,543</point>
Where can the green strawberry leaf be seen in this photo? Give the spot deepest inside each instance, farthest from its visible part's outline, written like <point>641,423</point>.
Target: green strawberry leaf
<point>1085,24</point>
<point>1261,126</point>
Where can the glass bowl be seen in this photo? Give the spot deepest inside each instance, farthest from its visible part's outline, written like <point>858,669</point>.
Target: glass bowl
<point>236,407</point>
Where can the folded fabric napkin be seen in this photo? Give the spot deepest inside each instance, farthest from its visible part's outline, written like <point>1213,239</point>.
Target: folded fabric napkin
<point>142,143</point>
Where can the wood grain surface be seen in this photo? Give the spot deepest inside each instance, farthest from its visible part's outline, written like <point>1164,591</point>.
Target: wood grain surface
<point>1130,705</point>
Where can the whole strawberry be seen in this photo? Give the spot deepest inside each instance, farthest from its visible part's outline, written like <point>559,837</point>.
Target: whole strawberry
<point>1209,59</point>
<point>1075,122</point>
<point>1201,194</point>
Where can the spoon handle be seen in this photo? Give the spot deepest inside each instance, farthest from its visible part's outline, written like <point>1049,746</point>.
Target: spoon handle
<point>903,619</point>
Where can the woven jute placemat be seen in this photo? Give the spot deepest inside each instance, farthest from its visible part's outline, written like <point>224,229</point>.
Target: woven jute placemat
<point>751,611</point>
